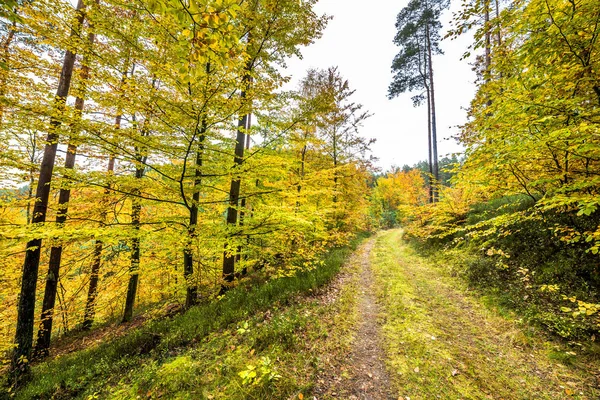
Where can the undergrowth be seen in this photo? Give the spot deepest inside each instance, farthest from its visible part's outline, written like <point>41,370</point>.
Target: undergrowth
<point>509,250</point>
<point>240,346</point>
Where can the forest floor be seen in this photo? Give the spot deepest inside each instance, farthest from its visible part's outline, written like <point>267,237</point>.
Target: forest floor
<point>391,324</point>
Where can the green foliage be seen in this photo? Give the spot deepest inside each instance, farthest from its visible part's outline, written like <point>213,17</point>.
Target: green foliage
<point>418,26</point>
<point>508,248</point>
<point>159,94</point>
<point>522,215</point>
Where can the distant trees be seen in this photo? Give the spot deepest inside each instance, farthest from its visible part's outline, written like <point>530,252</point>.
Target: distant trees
<point>418,37</point>
<point>448,165</point>
<point>399,193</point>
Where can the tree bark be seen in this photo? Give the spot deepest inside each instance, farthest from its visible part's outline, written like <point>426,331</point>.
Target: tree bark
<point>488,40</point>
<point>335,164</point>
<point>188,257</point>
<point>234,189</point>
<point>141,158</point>
<point>234,195</point>
<point>90,305</point>
<point>134,269</point>
<point>498,33</point>
<point>430,147</point>
<point>238,255</point>
<point>26,307</point>
<point>4,73</point>
<point>436,172</point>
<point>45,330</point>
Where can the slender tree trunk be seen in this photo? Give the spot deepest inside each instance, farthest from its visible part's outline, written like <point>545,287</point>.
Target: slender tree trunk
<point>234,189</point>
<point>498,33</point>
<point>90,305</point>
<point>134,269</point>
<point>234,195</point>
<point>436,171</point>
<point>188,257</point>
<point>31,178</point>
<point>141,158</point>
<point>488,40</point>
<point>4,72</point>
<point>430,147</point>
<point>45,330</point>
<point>335,164</point>
<point>424,72</point>
<point>26,307</point>
<point>238,255</point>
<point>301,171</point>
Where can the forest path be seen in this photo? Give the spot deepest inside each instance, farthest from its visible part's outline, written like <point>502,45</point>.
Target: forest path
<point>441,342</point>
<point>363,374</point>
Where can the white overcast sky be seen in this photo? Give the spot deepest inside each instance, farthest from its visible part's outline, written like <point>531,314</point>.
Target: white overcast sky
<point>359,41</point>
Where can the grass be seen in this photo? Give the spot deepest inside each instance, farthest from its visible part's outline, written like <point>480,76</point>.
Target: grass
<point>442,342</point>
<point>266,331</point>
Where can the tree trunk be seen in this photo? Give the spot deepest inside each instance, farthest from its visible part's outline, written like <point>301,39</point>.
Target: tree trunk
<point>134,269</point>
<point>45,330</point>
<point>90,305</point>
<point>302,168</point>
<point>188,257</point>
<point>191,297</point>
<point>488,40</point>
<point>430,147</point>
<point>436,171</point>
<point>26,307</point>
<point>238,255</point>
<point>234,195</point>
<point>424,72</point>
<point>498,33</point>
<point>4,72</point>
<point>335,164</point>
<point>141,158</point>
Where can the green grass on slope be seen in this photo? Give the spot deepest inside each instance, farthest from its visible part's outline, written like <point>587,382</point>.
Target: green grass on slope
<point>259,343</point>
<point>443,343</point>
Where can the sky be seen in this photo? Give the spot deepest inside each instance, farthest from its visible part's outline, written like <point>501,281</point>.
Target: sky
<point>359,41</point>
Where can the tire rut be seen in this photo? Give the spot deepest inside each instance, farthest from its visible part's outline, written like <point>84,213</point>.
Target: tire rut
<point>363,374</point>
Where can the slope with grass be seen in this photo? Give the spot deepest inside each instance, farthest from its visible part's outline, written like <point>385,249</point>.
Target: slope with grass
<point>269,341</point>
<point>442,342</point>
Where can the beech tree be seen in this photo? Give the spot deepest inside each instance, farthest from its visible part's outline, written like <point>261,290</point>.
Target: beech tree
<point>25,319</point>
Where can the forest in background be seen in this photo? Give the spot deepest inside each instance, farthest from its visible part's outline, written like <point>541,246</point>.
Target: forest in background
<point>151,158</point>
